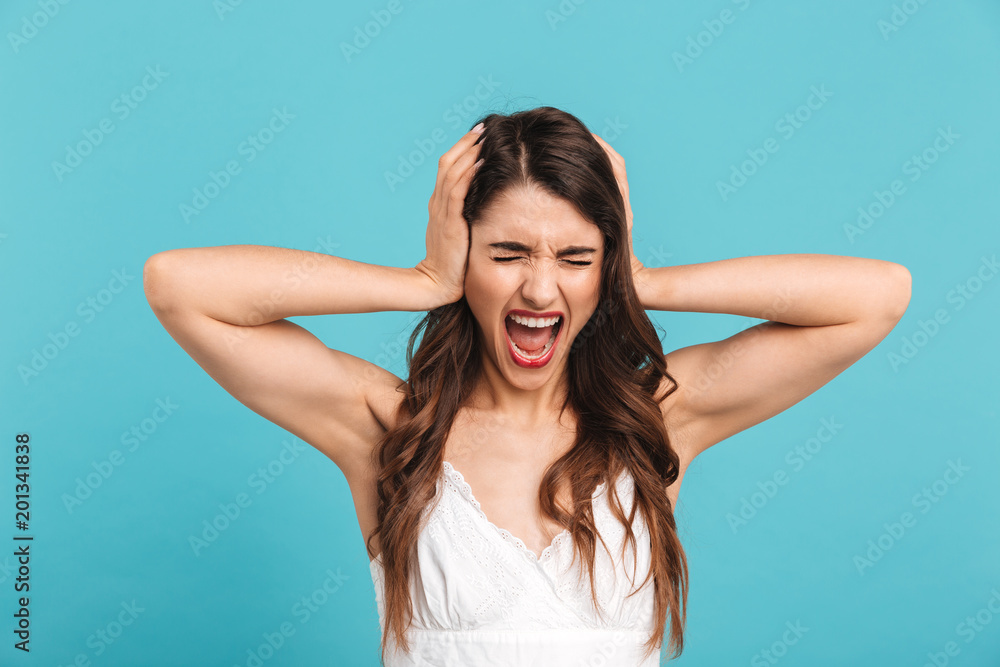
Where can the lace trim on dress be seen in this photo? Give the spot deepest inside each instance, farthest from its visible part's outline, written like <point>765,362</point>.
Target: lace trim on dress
<point>459,480</point>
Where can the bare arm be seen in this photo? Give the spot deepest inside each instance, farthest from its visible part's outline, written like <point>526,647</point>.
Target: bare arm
<point>225,306</point>
<point>253,284</point>
<point>798,289</point>
<point>825,312</point>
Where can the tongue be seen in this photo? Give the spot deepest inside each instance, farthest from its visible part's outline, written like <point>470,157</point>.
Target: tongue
<point>528,339</point>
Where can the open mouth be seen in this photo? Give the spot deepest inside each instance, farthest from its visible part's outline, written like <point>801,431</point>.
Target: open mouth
<point>532,341</point>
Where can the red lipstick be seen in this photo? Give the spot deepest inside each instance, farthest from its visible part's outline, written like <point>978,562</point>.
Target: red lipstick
<point>524,362</point>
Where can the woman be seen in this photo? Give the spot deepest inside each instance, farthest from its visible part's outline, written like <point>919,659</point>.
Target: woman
<point>539,418</point>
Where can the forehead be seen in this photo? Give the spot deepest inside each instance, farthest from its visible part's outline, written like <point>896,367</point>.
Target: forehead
<point>535,217</point>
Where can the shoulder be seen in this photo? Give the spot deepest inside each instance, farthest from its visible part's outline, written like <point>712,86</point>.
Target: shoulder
<point>679,428</point>
<point>382,392</point>
<point>386,391</point>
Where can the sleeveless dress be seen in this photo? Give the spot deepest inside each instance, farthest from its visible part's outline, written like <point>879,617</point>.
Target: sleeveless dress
<point>481,597</point>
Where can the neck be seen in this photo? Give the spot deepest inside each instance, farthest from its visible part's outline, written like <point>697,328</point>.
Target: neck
<point>527,407</point>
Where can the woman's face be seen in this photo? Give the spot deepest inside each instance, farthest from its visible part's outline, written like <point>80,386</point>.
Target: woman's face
<point>532,252</point>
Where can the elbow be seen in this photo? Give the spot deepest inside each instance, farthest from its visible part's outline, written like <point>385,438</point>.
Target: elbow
<point>154,275</point>
<point>897,291</point>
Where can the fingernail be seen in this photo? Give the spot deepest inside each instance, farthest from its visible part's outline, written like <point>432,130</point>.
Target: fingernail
<point>476,166</point>
<point>478,129</point>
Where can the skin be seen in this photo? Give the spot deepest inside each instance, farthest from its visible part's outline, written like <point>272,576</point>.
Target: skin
<point>227,307</point>
<point>539,280</point>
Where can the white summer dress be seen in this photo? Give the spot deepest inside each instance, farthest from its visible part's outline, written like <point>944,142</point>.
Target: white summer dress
<point>481,597</point>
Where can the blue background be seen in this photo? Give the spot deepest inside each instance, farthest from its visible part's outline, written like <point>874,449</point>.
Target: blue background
<point>682,127</point>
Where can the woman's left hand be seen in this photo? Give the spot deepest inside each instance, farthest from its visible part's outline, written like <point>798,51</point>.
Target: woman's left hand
<point>618,164</point>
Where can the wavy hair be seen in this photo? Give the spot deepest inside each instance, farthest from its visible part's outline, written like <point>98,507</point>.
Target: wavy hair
<point>614,370</point>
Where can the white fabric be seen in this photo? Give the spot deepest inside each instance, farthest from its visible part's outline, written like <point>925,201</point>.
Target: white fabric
<point>481,597</point>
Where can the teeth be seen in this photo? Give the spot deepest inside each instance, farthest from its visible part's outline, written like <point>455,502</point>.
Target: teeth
<point>536,322</point>
<point>541,353</point>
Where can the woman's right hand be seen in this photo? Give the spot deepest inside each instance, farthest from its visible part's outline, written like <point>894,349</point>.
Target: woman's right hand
<point>447,231</point>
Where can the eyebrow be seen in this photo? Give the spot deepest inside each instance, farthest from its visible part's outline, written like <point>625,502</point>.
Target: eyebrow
<point>515,246</point>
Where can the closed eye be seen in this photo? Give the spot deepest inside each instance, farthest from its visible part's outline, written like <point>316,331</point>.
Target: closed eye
<point>569,261</point>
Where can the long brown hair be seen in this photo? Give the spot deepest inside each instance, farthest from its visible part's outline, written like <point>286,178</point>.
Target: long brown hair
<point>614,369</point>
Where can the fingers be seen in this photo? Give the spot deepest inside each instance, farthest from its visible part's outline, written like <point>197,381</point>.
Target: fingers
<point>617,161</point>
<point>461,166</point>
<point>453,182</point>
<point>454,154</point>
<point>456,179</point>
<point>618,166</point>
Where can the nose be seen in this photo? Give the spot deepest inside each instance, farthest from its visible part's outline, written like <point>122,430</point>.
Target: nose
<point>540,287</point>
